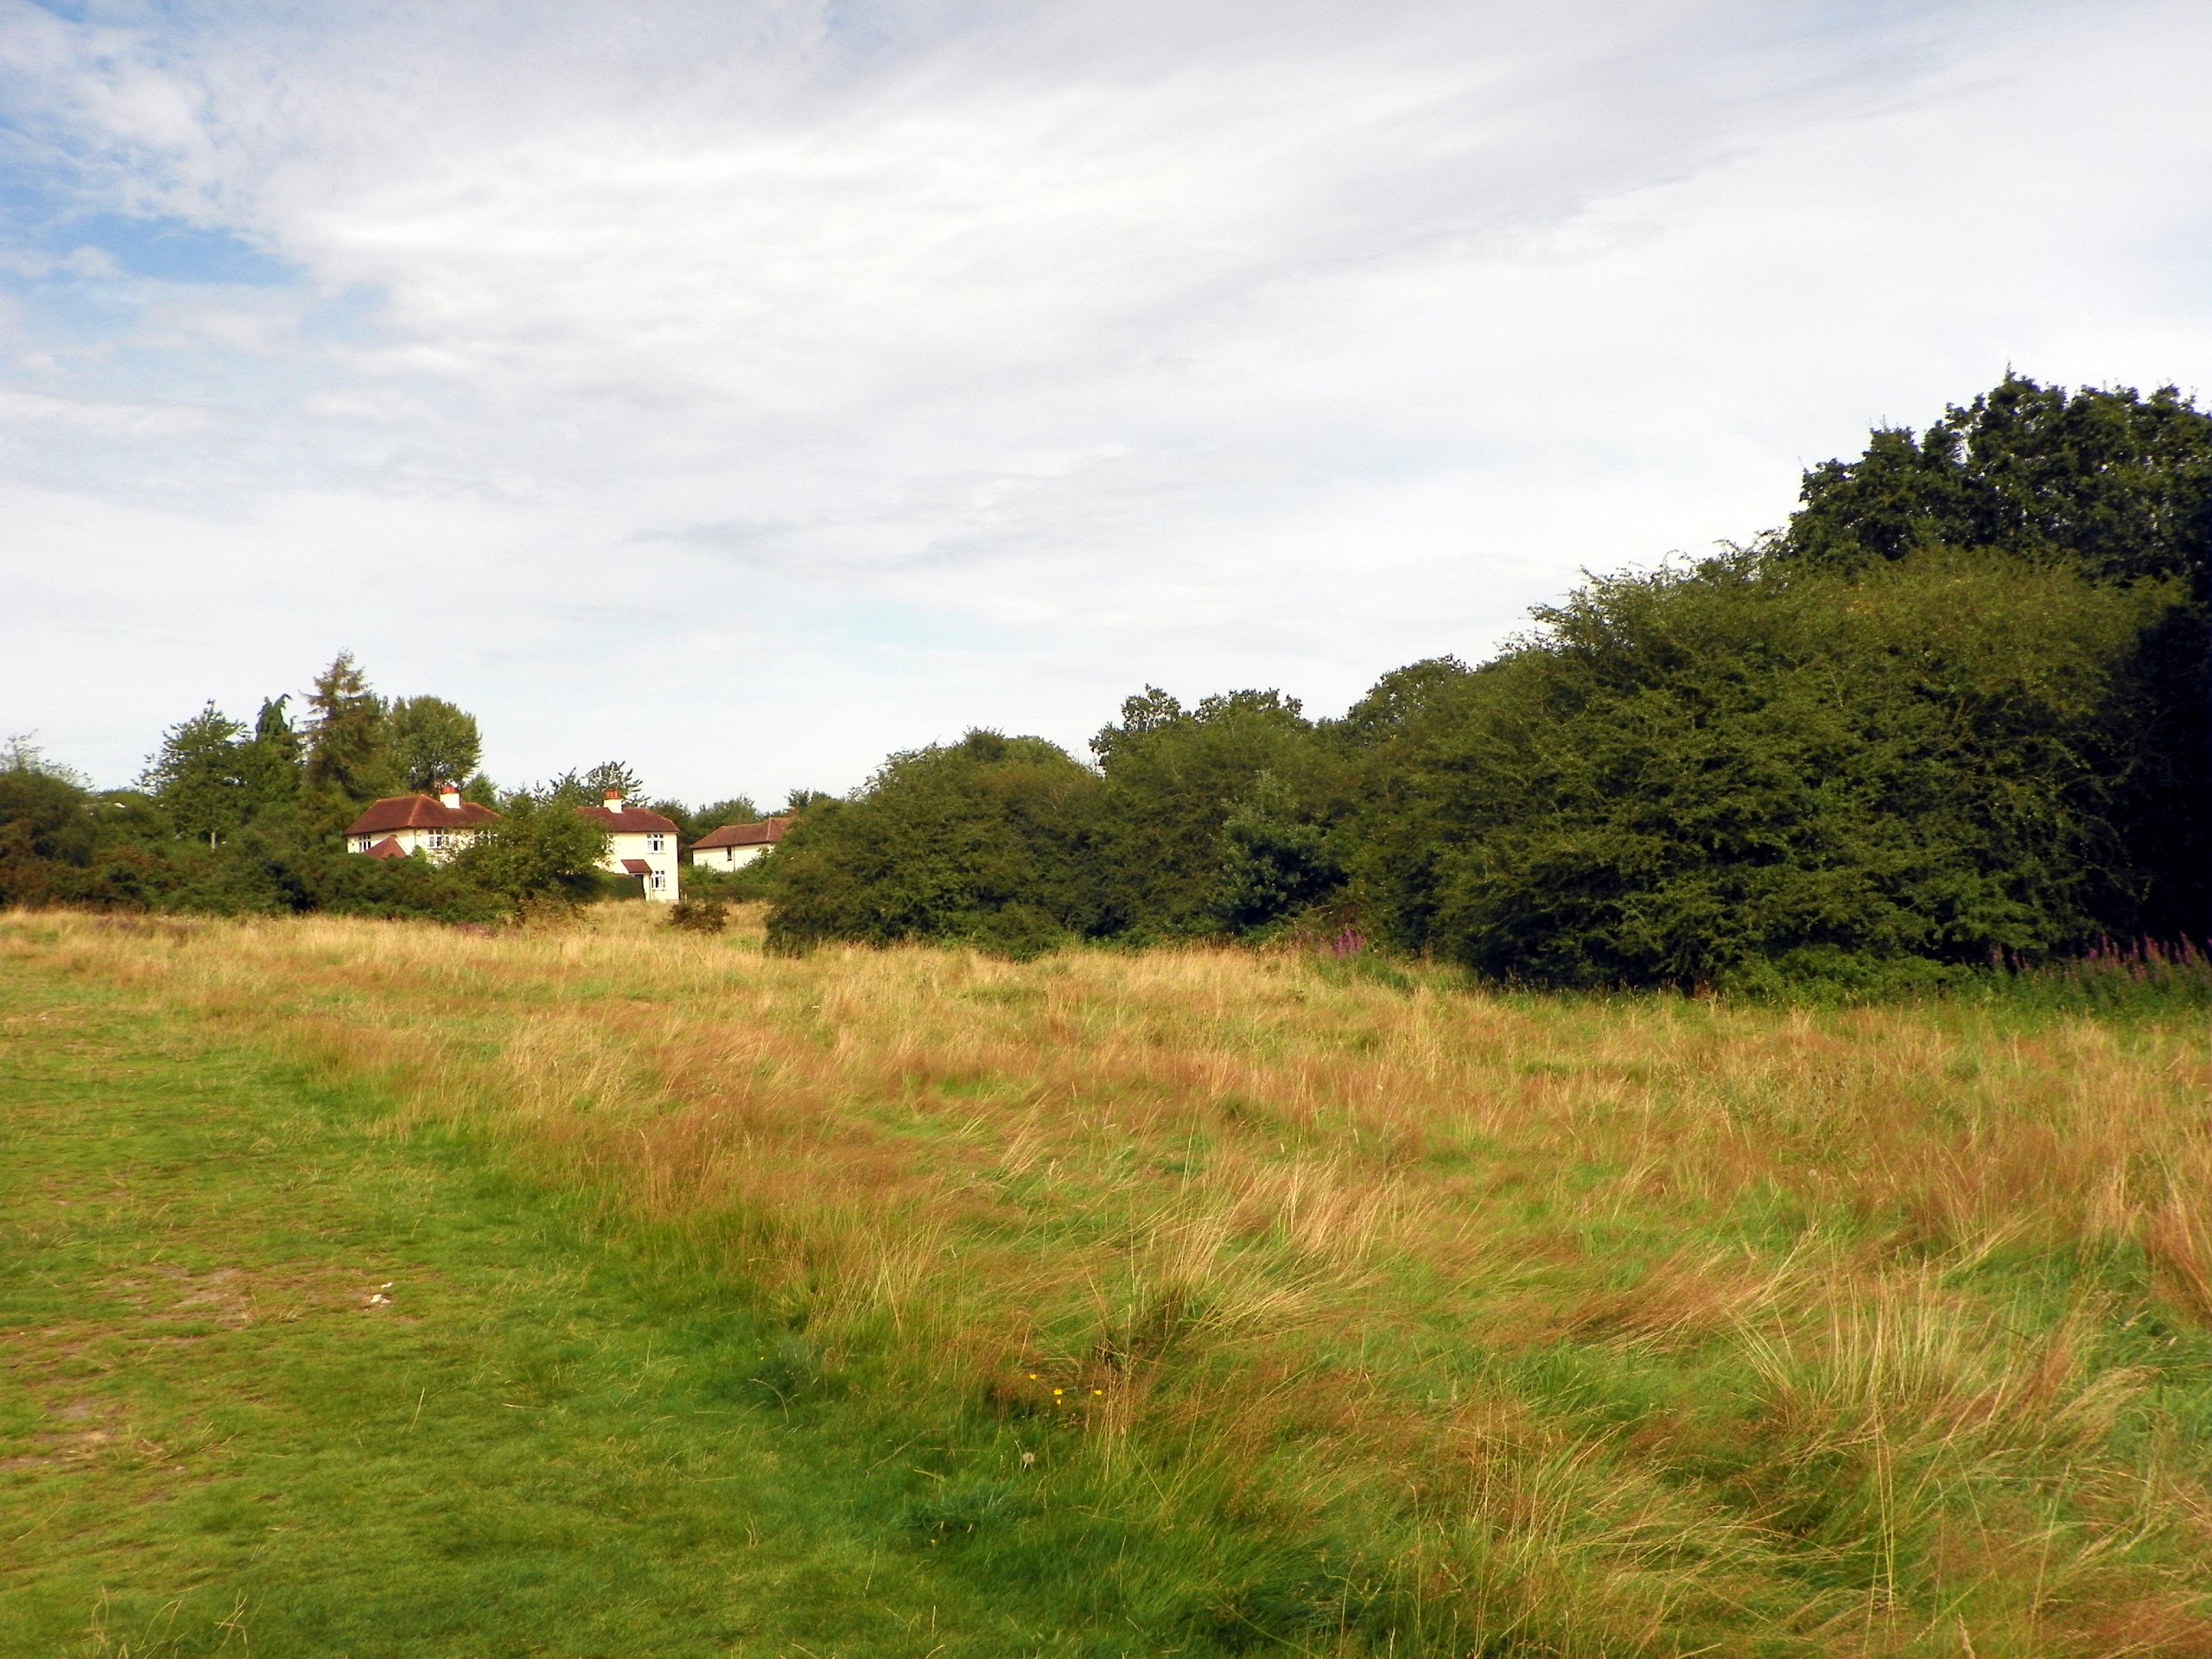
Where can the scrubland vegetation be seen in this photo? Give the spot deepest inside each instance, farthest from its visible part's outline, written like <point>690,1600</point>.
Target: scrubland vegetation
<point>1212,1300</point>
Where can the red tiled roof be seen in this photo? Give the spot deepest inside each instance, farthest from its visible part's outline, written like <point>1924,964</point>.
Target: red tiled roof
<point>418,812</point>
<point>388,848</point>
<point>765,833</point>
<point>630,821</point>
<point>637,866</point>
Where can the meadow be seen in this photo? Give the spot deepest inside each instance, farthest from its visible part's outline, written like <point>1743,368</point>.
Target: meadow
<point>1198,1300</point>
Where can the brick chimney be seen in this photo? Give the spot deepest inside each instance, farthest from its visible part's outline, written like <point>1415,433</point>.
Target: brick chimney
<point>613,802</point>
<point>450,796</point>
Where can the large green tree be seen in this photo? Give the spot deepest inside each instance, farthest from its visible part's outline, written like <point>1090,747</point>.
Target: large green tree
<point>2109,482</point>
<point>272,759</point>
<point>347,749</point>
<point>199,775</point>
<point>432,742</point>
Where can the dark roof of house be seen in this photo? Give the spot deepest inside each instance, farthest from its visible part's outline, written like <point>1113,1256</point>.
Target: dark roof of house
<point>388,848</point>
<point>765,833</point>
<point>637,866</point>
<point>630,821</point>
<point>418,812</point>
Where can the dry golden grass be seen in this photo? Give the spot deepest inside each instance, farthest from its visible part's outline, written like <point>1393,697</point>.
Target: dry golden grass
<point>1595,1327</point>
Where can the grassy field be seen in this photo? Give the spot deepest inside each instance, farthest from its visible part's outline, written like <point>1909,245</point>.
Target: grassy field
<point>1195,1302</point>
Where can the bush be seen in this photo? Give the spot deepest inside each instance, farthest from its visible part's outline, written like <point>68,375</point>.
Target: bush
<point>1213,818</point>
<point>699,915</point>
<point>538,852</point>
<point>983,840</point>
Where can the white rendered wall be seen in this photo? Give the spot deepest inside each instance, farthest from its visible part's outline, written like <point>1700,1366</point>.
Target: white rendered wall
<point>725,858</point>
<point>663,863</point>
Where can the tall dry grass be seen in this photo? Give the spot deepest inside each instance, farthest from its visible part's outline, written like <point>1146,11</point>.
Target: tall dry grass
<point>1574,1326</point>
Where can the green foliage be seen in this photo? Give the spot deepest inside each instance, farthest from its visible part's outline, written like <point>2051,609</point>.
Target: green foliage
<point>60,845</point>
<point>1959,710</point>
<point>1168,862</point>
<point>270,874</point>
<point>2113,483</point>
<point>228,824</point>
<point>738,809</point>
<point>985,840</point>
<point>200,776</point>
<point>612,774</point>
<point>269,762</point>
<point>692,822</point>
<point>1275,859</point>
<point>49,833</point>
<point>55,814</point>
<point>347,748</point>
<point>540,851</point>
<point>432,742</point>
<point>1726,776</point>
<point>1398,699</point>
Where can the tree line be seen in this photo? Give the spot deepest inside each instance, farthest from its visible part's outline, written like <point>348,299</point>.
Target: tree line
<point>1954,711</point>
<point>237,818</point>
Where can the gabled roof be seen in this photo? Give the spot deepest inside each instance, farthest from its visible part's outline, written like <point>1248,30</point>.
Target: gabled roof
<point>388,848</point>
<point>765,833</point>
<point>418,812</point>
<point>630,821</point>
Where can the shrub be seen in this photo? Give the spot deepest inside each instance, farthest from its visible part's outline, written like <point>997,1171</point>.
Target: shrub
<point>699,915</point>
<point>982,840</point>
<point>539,851</point>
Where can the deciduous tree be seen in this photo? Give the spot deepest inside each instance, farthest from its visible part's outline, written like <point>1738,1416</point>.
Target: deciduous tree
<point>199,775</point>
<point>432,742</point>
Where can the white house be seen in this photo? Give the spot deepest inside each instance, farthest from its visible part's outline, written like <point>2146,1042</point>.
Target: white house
<point>735,845</point>
<point>438,827</point>
<point>639,843</point>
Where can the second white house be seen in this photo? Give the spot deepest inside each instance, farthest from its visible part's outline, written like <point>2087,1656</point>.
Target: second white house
<point>735,845</point>
<point>639,842</point>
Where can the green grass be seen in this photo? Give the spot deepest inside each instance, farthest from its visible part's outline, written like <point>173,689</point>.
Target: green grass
<point>209,1439</point>
<point>1197,1303</point>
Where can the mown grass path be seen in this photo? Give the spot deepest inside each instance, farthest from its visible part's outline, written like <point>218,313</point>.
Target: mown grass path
<point>212,1440</point>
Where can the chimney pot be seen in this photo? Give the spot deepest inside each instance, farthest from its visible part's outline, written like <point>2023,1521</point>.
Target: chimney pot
<point>449,795</point>
<point>614,800</point>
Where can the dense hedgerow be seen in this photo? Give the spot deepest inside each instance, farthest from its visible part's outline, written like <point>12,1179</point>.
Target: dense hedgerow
<point>1956,711</point>
<point>1730,775</point>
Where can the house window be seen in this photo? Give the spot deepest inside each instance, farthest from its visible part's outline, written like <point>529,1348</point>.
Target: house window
<point>365,843</point>
<point>653,842</point>
<point>437,837</point>
<point>659,881</point>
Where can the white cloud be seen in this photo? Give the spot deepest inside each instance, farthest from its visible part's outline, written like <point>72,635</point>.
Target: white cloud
<point>36,411</point>
<point>937,365</point>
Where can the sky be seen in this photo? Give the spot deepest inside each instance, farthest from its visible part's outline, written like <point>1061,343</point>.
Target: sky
<point>745,391</point>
